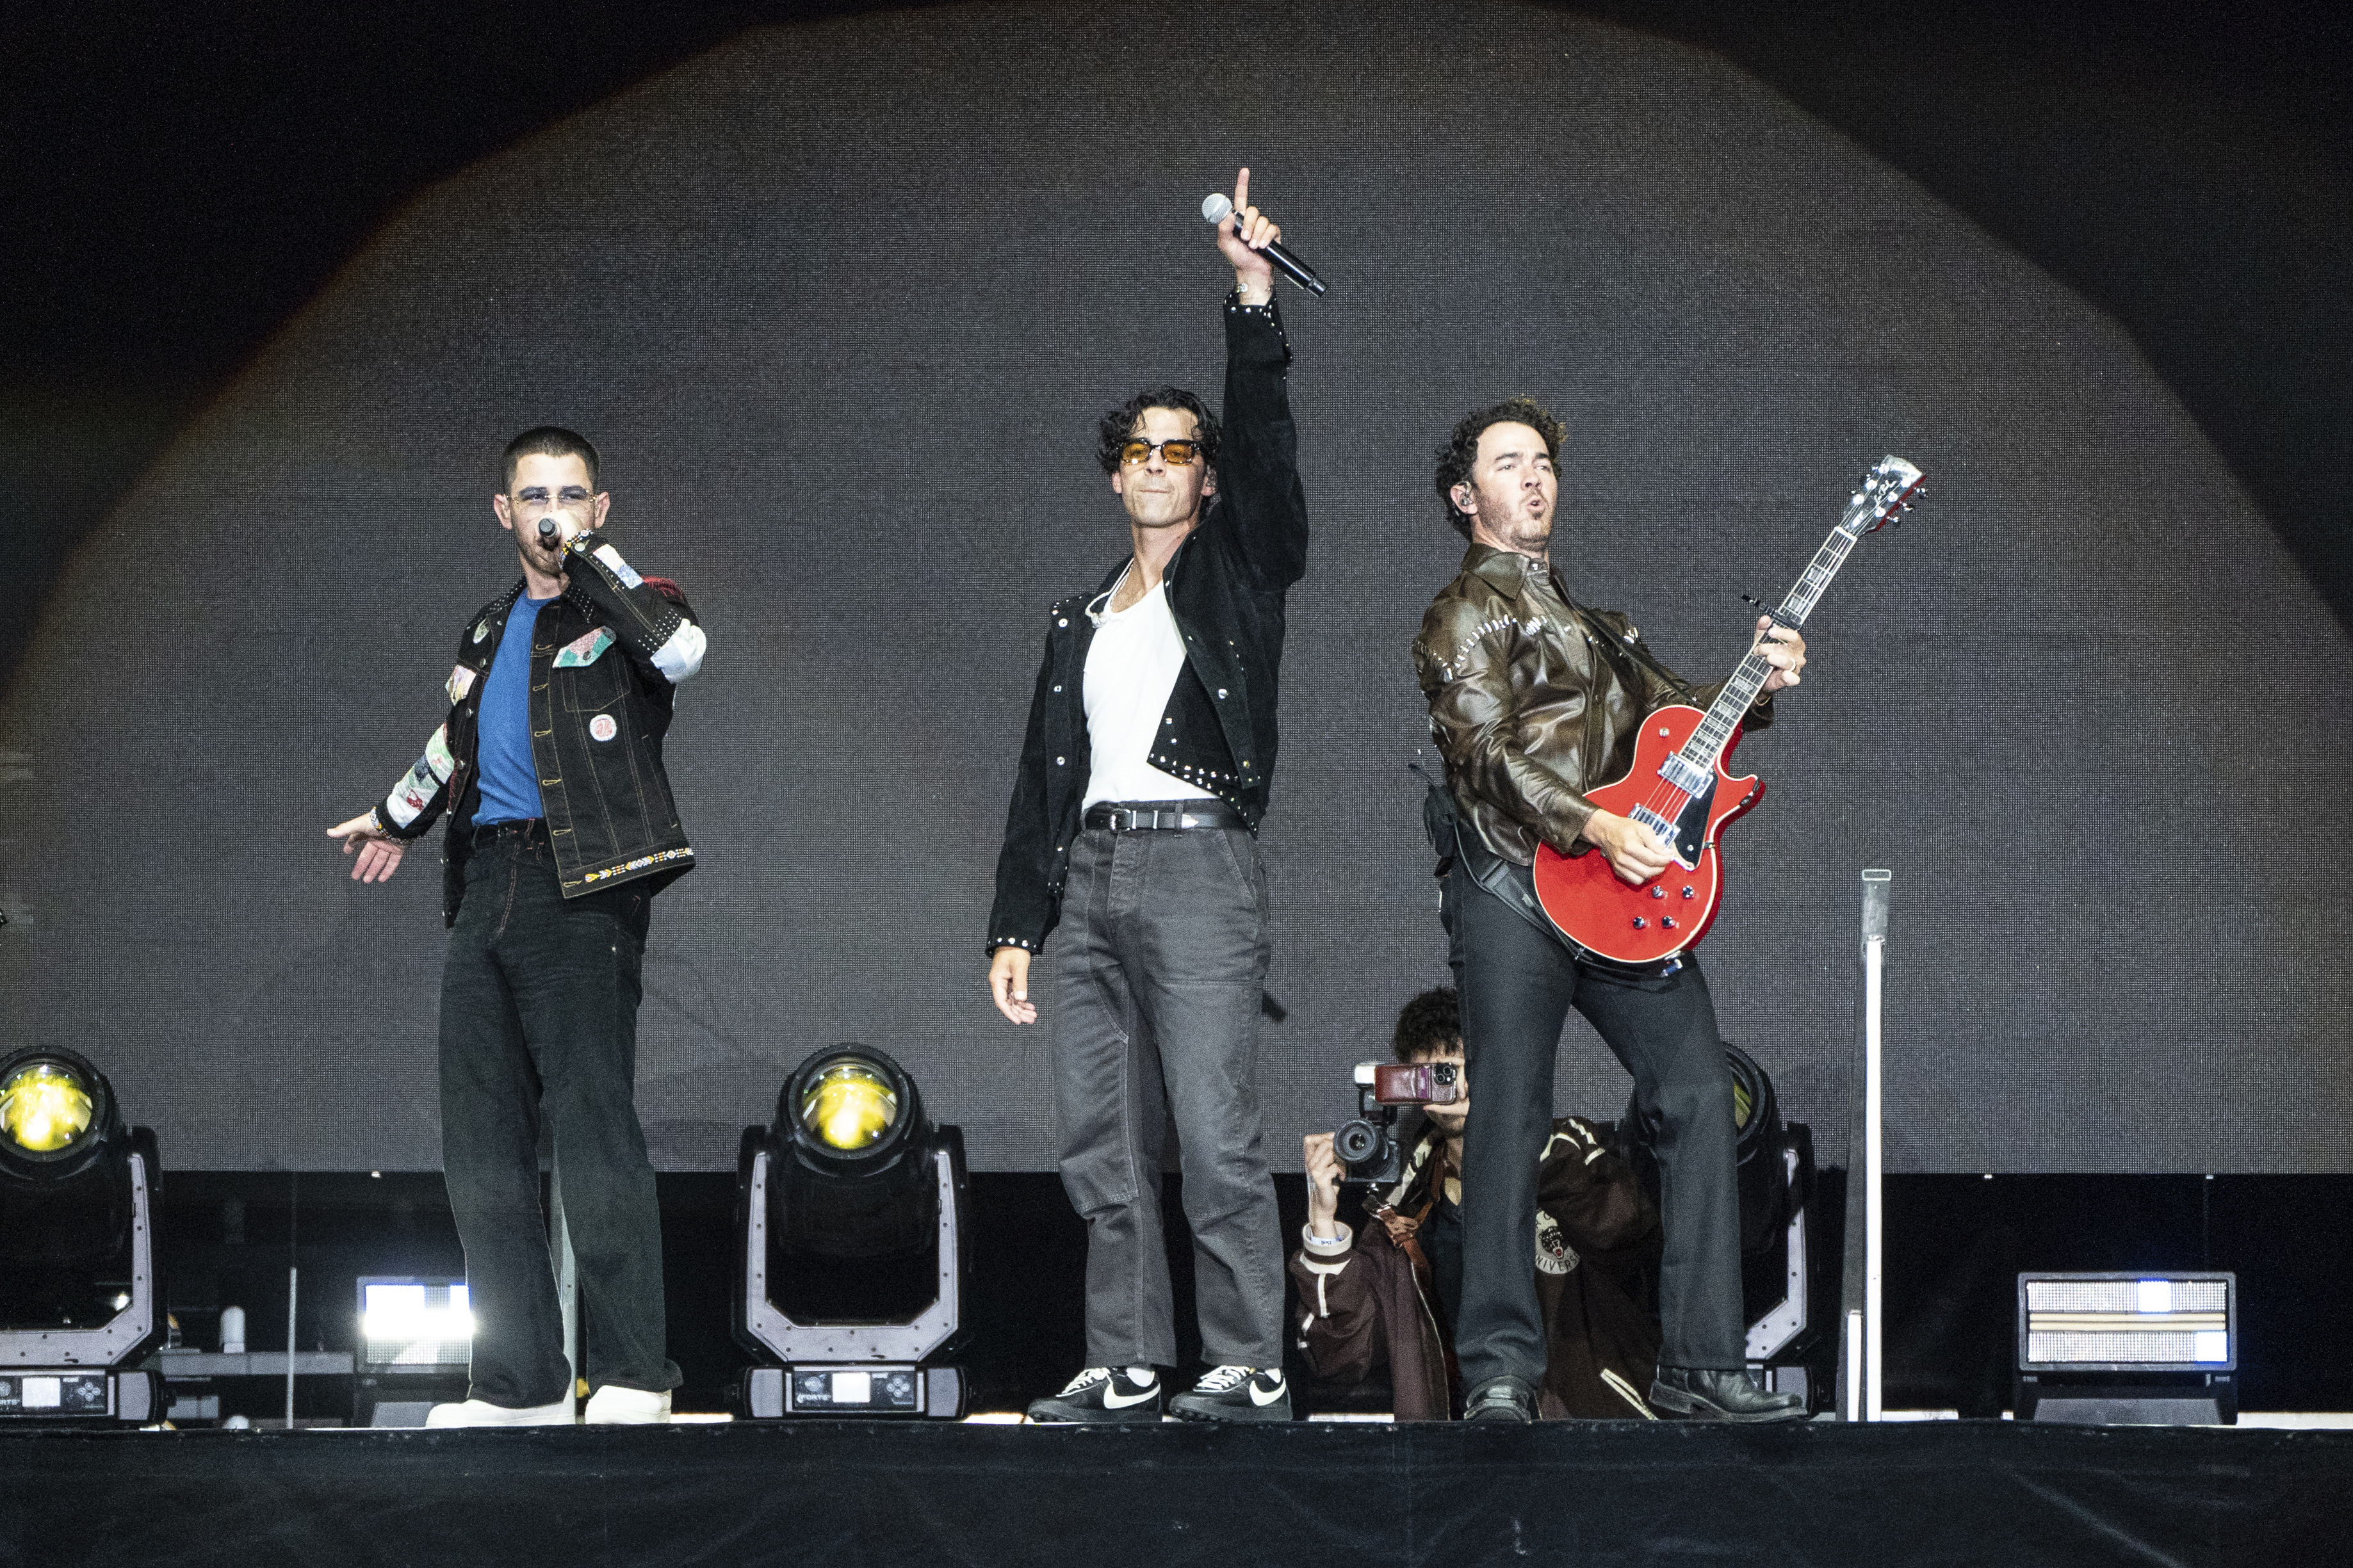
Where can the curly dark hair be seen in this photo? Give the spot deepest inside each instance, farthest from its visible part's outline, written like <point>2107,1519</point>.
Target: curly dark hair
<point>1461,453</point>
<point>1113,431</point>
<point>1430,1023</point>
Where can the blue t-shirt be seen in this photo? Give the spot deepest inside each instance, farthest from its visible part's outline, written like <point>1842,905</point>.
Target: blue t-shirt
<point>510,784</point>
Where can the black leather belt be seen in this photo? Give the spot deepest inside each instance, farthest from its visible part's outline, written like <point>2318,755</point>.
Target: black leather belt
<point>1163,818</point>
<point>526,831</point>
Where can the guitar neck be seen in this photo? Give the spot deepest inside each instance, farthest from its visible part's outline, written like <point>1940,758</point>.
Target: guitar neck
<point>1706,747</point>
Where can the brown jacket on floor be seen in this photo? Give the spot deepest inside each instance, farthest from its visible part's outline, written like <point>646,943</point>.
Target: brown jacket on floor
<point>1365,1301</point>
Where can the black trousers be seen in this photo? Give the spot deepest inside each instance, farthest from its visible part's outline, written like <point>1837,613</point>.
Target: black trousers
<point>1517,986</point>
<point>539,1019</point>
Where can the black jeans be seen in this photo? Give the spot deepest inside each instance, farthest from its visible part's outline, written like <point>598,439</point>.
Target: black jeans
<point>539,1018</point>
<point>1517,986</point>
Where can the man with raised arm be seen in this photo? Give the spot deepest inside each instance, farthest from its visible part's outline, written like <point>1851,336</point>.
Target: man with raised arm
<point>549,766</point>
<point>1534,700</point>
<point>1144,776</point>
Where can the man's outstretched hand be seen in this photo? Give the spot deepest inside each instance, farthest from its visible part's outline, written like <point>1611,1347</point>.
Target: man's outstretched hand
<point>379,855</point>
<point>1243,235</point>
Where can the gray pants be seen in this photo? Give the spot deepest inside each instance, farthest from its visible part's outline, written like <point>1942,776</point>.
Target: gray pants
<point>1162,956</point>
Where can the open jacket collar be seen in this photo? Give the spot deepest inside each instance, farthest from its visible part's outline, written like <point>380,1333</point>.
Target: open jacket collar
<point>1503,570</point>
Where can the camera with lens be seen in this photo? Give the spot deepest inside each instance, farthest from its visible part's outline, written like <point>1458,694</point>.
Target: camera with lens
<point>1367,1147</point>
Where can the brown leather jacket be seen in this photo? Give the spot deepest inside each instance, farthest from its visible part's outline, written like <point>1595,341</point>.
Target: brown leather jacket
<point>1535,701</point>
<point>1365,1304</point>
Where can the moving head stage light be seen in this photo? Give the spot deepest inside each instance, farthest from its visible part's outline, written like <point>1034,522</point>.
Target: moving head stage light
<point>79,1298</point>
<point>851,1210</point>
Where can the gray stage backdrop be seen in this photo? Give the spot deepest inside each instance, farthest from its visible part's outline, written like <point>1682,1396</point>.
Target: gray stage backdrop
<point>841,304</point>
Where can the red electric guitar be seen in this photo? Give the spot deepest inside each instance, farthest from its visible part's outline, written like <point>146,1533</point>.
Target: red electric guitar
<point>1678,786</point>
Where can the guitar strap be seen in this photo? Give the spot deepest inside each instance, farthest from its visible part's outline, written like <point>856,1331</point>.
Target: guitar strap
<point>1618,651</point>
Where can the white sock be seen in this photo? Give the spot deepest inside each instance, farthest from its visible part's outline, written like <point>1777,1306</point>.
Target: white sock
<point>1141,1374</point>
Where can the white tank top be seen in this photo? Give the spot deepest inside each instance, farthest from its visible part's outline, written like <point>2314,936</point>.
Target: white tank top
<point>1131,667</point>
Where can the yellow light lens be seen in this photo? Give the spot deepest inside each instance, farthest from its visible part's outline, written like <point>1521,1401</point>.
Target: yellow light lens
<point>43,1108</point>
<point>850,1106</point>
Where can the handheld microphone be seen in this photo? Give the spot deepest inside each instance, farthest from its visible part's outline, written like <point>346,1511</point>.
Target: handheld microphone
<point>547,530</point>
<point>1219,207</point>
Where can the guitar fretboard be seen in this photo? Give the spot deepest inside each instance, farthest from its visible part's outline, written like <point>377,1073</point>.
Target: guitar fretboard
<point>1705,748</point>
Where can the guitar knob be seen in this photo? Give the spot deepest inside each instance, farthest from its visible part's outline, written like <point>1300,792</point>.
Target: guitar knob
<point>1668,923</point>
<point>1687,892</point>
<point>1640,922</point>
<point>1658,892</point>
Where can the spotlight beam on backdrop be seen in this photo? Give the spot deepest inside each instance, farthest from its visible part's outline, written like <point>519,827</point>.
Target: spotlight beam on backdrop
<point>281,161</point>
<point>1715,349</point>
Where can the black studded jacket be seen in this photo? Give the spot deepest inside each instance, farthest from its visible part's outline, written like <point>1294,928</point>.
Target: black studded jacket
<point>606,660</point>
<point>1226,583</point>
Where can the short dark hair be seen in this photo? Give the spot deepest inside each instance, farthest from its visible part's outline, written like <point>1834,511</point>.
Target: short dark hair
<point>1430,1023</point>
<point>547,441</point>
<point>1461,453</point>
<point>1113,431</point>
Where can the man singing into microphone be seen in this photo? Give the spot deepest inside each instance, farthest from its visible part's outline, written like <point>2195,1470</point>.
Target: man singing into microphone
<point>1144,776</point>
<point>561,831</point>
<point>1534,700</point>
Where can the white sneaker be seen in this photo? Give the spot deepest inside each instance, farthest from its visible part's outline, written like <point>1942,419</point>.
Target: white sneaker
<point>613,1405</point>
<point>482,1413</point>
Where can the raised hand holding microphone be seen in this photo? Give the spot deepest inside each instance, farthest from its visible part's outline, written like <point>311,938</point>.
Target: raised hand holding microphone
<point>1242,226</point>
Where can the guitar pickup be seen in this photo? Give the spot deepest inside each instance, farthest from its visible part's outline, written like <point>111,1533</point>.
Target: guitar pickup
<point>1684,774</point>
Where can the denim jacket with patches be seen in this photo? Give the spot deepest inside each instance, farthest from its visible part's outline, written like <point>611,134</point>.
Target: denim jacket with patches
<point>606,657</point>
<point>1227,585</point>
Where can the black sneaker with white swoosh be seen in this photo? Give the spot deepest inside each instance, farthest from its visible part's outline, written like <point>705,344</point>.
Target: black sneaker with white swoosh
<point>1102,1393</point>
<point>1236,1393</point>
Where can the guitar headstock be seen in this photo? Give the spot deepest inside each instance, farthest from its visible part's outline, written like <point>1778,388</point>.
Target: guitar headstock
<point>1886,493</point>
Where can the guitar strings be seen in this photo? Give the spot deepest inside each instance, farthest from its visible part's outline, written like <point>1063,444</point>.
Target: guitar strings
<point>1667,800</point>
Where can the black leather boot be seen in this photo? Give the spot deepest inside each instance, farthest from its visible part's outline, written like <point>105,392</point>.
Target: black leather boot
<point>1703,1393</point>
<point>1505,1398</point>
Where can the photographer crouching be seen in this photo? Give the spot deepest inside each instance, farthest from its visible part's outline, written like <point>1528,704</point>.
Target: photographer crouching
<point>1389,1297</point>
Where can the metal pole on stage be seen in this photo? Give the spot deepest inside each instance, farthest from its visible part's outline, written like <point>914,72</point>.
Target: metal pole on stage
<point>1863,1361</point>
<point>291,1299</point>
<point>293,1278</point>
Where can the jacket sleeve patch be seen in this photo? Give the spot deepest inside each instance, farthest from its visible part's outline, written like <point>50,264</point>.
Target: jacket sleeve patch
<point>461,681</point>
<point>437,759</point>
<point>585,649</point>
<point>1553,1255</point>
<point>423,781</point>
<point>681,655</point>
<point>617,567</point>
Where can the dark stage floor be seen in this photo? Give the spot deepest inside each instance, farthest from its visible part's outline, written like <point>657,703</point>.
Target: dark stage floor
<point>846,1494</point>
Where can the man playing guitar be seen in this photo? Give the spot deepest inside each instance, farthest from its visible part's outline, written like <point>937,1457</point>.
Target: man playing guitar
<point>1533,701</point>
